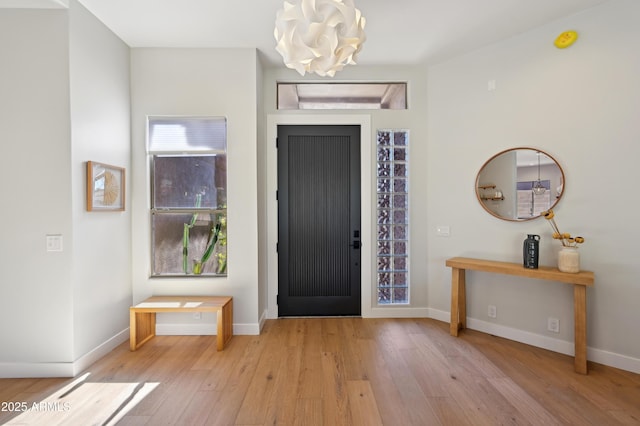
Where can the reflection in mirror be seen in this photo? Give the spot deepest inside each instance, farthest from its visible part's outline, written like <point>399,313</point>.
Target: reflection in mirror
<point>518,184</point>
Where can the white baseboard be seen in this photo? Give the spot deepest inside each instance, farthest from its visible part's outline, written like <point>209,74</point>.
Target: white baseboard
<point>384,312</point>
<point>438,315</point>
<point>610,359</point>
<point>94,355</point>
<point>263,319</point>
<point>24,370</point>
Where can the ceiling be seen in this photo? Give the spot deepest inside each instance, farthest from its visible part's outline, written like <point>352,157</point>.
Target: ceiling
<point>398,32</point>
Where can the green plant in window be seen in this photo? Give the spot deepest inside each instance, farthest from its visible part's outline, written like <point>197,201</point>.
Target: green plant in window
<point>217,222</point>
<point>222,240</point>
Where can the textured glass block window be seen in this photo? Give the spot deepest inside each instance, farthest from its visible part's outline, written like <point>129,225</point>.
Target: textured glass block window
<point>188,196</point>
<point>392,221</point>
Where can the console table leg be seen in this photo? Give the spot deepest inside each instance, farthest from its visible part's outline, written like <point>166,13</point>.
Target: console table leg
<point>458,301</point>
<point>580,324</point>
<point>462,297</point>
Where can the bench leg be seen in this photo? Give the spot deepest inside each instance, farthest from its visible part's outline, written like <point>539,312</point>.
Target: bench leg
<point>133,335</point>
<point>220,333</point>
<point>142,327</point>
<point>225,325</point>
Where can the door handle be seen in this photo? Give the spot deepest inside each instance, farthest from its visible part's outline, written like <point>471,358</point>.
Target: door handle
<point>356,241</point>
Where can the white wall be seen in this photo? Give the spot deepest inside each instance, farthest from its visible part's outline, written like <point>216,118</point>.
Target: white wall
<point>101,274</point>
<point>261,169</point>
<point>581,106</point>
<point>35,175</point>
<point>65,95</point>
<point>216,82</point>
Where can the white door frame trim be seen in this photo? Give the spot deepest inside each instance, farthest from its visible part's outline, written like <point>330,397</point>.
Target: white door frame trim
<point>368,237</point>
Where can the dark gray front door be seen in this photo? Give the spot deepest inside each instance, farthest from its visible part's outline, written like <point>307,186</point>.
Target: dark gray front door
<point>318,220</point>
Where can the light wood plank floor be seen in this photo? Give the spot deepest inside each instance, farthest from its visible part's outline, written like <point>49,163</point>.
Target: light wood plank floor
<point>332,371</point>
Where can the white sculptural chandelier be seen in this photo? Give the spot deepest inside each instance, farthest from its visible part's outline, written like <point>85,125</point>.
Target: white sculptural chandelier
<point>319,36</point>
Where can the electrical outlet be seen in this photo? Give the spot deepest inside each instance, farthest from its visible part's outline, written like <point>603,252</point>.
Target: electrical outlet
<point>492,312</point>
<point>54,242</point>
<point>553,324</point>
<point>197,315</point>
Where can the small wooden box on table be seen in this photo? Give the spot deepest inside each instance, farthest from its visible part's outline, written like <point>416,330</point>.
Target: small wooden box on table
<point>580,281</point>
<point>142,317</point>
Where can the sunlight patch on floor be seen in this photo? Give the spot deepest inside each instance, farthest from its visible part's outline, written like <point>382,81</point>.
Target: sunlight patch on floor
<point>83,402</point>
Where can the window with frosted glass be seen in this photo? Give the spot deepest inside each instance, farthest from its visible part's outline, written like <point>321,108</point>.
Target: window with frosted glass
<point>188,195</point>
<point>392,214</point>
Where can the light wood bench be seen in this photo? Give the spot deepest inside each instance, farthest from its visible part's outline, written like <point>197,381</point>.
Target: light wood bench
<point>142,317</point>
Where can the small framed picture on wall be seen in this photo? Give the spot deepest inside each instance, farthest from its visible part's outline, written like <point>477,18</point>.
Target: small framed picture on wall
<point>105,187</point>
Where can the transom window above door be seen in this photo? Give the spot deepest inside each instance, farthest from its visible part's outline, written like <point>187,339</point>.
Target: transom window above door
<point>337,96</point>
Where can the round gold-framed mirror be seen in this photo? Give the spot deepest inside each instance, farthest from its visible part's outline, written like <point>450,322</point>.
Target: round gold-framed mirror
<point>517,184</point>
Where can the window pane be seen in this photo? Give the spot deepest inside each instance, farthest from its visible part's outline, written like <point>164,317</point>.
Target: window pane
<point>384,138</point>
<point>384,154</point>
<point>400,154</point>
<point>384,169</point>
<point>400,263</point>
<point>384,232</point>
<point>384,280</point>
<point>384,185</point>
<point>384,216</point>
<point>400,295</point>
<point>400,216</point>
<point>400,280</point>
<point>187,134</point>
<point>400,185</point>
<point>189,182</point>
<point>384,264</point>
<point>169,236</point>
<point>400,170</point>
<point>400,248</point>
<point>384,248</point>
<point>400,138</point>
<point>399,232</point>
<point>400,201</point>
<point>384,296</point>
<point>384,200</point>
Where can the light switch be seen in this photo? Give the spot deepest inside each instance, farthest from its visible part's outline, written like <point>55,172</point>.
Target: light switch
<point>54,242</point>
<point>443,230</point>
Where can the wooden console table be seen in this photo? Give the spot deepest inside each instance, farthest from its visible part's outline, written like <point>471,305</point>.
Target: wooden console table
<point>142,317</point>
<point>580,281</point>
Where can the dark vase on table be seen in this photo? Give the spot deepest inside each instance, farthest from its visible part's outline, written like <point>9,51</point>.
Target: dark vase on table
<point>530,251</point>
